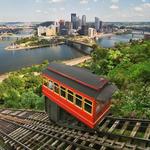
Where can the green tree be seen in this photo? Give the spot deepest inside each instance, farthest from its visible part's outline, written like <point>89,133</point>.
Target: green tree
<point>12,100</point>
<point>30,100</point>
<point>128,66</point>
<point>33,82</point>
<point>15,82</point>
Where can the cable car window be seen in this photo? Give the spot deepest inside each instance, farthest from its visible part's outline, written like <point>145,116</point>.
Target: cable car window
<point>70,96</point>
<point>50,85</point>
<point>88,102</point>
<point>56,88</point>
<point>88,106</point>
<point>63,92</point>
<point>78,100</point>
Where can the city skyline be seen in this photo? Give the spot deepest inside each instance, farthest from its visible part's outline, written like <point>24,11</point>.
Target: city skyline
<point>44,10</point>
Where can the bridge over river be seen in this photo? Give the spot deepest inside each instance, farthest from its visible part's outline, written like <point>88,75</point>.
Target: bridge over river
<point>5,35</point>
<point>81,46</point>
<point>137,32</point>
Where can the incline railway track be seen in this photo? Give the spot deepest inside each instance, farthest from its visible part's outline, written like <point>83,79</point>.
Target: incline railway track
<point>32,130</point>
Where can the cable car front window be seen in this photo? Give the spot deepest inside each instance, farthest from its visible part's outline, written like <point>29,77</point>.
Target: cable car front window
<point>99,106</point>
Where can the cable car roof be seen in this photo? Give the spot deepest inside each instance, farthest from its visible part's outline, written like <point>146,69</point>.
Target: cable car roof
<point>82,80</point>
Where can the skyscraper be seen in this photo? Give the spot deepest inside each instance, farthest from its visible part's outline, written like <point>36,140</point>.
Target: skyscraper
<point>62,28</point>
<point>78,22</point>
<point>84,20</point>
<point>68,26</point>
<point>100,26</point>
<point>91,32</point>
<point>73,20</point>
<point>84,30</point>
<point>97,23</point>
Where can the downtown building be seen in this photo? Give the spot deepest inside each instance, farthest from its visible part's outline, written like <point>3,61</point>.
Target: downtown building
<point>84,30</point>
<point>92,32</point>
<point>65,27</point>
<point>51,31</point>
<point>83,20</point>
<point>62,28</point>
<point>46,31</point>
<point>97,24</point>
<point>41,30</point>
<point>69,27</point>
<point>74,20</point>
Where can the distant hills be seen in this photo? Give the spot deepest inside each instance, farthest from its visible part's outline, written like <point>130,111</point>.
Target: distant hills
<point>46,24</point>
<point>18,23</point>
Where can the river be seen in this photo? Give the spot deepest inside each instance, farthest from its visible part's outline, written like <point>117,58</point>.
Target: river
<point>109,42</point>
<point>13,60</point>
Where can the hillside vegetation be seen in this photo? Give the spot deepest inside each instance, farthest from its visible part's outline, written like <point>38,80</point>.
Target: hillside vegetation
<point>22,89</point>
<point>128,66</point>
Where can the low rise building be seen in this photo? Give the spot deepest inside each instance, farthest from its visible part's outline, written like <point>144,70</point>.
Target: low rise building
<point>92,32</point>
<point>41,30</point>
<point>51,31</point>
<point>47,31</point>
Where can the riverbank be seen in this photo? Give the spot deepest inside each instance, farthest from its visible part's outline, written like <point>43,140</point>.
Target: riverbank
<point>77,61</point>
<point>71,62</point>
<point>103,35</point>
<point>12,48</point>
<point>3,77</point>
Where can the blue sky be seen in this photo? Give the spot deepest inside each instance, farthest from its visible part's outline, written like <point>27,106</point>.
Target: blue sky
<point>106,10</point>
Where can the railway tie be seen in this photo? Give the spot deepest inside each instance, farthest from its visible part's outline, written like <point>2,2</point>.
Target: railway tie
<point>31,130</point>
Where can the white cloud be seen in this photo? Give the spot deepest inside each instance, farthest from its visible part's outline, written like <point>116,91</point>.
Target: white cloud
<point>114,7</point>
<point>95,0</point>
<point>84,1</point>
<point>142,7</point>
<point>88,9</point>
<point>138,9</point>
<point>45,12</point>
<point>41,12</point>
<point>146,5</point>
<point>38,11</point>
<point>55,1</point>
<point>124,15</point>
<point>53,9</point>
<point>115,1</point>
<point>37,1</point>
<point>140,15</point>
<point>143,1</point>
<point>62,8</point>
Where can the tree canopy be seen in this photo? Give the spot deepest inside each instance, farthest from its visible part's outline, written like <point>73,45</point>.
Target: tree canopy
<point>22,89</point>
<point>128,66</point>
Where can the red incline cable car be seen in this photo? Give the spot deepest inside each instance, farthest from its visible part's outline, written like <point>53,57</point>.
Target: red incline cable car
<point>76,91</point>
